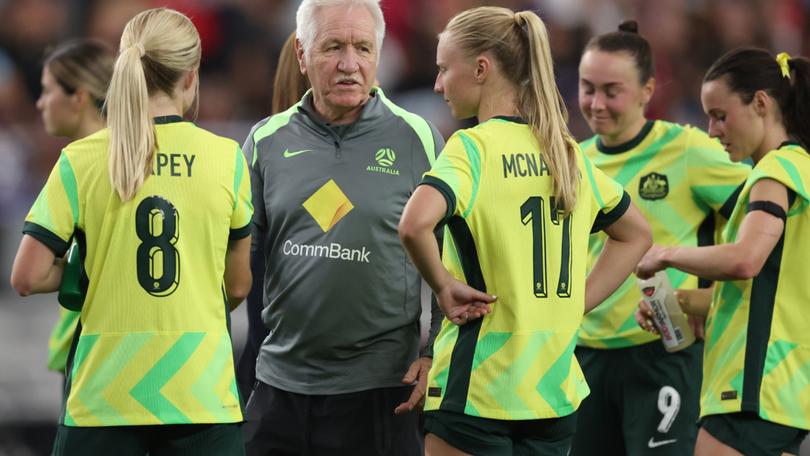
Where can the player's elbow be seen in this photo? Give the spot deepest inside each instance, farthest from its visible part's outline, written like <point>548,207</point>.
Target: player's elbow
<point>238,290</point>
<point>745,268</point>
<point>22,283</point>
<point>409,230</point>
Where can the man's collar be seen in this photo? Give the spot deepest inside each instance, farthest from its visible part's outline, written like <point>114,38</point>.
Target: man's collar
<point>368,113</point>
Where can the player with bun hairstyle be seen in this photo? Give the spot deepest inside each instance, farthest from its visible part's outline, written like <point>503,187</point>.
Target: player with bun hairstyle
<point>644,399</point>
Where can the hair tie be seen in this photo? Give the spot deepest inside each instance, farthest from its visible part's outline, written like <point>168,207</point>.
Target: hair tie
<point>140,48</point>
<point>521,22</point>
<point>783,59</point>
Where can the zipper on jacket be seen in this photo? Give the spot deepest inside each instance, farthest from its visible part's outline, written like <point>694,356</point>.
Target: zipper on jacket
<point>338,153</point>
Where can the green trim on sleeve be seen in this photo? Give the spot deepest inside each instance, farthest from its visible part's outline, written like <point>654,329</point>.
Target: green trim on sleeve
<point>446,191</point>
<point>57,245</point>
<point>589,170</point>
<point>237,176</point>
<point>277,121</point>
<point>474,156</point>
<point>794,174</point>
<point>240,233</point>
<point>71,189</point>
<point>419,125</point>
<point>604,220</point>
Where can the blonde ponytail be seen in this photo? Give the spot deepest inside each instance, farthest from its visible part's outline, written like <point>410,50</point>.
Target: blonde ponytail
<point>545,112</point>
<point>519,42</point>
<point>157,46</point>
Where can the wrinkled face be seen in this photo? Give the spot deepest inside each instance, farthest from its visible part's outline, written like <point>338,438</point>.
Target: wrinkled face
<point>611,98</point>
<point>456,80</point>
<point>60,111</point>
<point>734,123</point>
<point>342,64</point>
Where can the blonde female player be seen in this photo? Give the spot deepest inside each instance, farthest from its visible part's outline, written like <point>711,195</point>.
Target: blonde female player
<point>519,202</point>
<point>755,397</point>
<point>75,77</point>
<point>164,209</point>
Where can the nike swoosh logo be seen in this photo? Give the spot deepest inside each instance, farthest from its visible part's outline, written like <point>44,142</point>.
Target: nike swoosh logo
<point>288,154</point>
<point>653,444</point>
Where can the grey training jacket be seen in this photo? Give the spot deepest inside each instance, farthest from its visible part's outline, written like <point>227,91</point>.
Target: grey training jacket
<point>341,299</point>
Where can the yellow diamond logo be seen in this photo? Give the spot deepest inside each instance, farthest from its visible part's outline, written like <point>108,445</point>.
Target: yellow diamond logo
<point>328,205</point>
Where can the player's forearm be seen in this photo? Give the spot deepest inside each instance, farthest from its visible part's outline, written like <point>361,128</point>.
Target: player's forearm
<point>616,262</point>
<point>423,250</point>
<point>717,262</point>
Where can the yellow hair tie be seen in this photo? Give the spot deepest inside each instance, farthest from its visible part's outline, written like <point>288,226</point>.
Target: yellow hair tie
<point>783,59</point>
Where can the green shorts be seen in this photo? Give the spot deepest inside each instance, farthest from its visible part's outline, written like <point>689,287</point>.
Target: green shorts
<point>475,435</point>
<point>643,400</point>
<point>159,440</point>
<point>753,436</point>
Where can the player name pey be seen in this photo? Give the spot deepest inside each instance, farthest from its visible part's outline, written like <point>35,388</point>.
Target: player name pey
<point>333,250</point>
<point>175,165</point>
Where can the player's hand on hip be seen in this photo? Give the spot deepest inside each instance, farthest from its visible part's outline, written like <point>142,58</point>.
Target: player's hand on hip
<point>462,303</point>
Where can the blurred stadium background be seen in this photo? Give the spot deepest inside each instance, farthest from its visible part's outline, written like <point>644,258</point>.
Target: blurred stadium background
<point>241,40</point>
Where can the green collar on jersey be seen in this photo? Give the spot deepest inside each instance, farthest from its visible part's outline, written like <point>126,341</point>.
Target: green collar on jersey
<point>645,130</point>
<point>514,119</point>
<point>789,142</point>
<point>168,119</point>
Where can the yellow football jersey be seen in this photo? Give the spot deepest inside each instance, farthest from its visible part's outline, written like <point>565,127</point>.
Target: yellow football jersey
<point>757,353</point>
<point>680,179</point>
<point>505,236</point>
<point>154,344</point>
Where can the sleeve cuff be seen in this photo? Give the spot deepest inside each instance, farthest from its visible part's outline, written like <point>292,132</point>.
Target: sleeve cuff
<point>446,191</point>
<point>240,233</point>
<point>58,246</point>
<point>604,220</point>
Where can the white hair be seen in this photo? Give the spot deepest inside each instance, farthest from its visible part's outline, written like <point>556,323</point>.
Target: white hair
<point>305,28</point>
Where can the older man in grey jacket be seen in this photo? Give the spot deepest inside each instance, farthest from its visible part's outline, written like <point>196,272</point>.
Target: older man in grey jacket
<point>331,177</point>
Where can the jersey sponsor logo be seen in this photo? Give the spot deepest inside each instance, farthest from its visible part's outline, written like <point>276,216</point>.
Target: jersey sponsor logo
<point>728,395</point>
<point>332,251</point>
<point>288,153</point>
<point>655,444</point>
<point>385,159</point>
<point>653,186</point>
<point>434,391</point>
<point>327,206</point>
